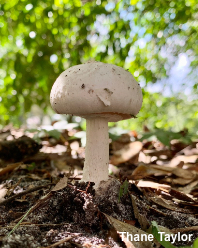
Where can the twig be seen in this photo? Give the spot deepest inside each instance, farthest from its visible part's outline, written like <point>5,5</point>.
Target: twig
<point>9,167</point>
<point>60,242</point>
<point>34,224</point>
<point>185,229</point>
<point>41,202</point>
<point>24,193</point>
<point>14,186</point>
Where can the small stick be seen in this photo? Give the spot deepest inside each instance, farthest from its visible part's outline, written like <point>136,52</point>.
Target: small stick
<point>60,242</point>
<point>14,186</point>
<point>24,193</point>
<point>185,229</point>
<point>33,224</point>
<point>9,167</point>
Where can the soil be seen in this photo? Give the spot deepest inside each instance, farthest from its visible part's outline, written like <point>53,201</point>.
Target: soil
<point>76,215</point>
<point>76,212</point>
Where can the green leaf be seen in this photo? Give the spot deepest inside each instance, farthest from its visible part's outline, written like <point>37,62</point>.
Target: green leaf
<point>156,234</point>
<point>195,244</point>
<point>54,133</point>
<point>165,136</point>
<point>31,166</point>
<point>141,35</point>
<point>133,2</point>
<point>123,189</point>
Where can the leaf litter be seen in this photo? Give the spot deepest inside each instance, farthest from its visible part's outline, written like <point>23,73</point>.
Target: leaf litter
<point>43,204</point>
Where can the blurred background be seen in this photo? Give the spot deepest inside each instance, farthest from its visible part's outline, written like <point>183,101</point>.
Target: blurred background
<point>155,40</point>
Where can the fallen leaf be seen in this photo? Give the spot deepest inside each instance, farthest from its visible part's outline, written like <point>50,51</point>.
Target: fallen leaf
<point>9,168</point>
<point>62,183</point>
<point>126,241</point>
<point>144,158</point>
<point>34,176</point>
<point>130,222</point>
<point>168,205</point>
<point>150,184</point>
<point>163,203</point>
<point>124,227</point>
<point>188,188</point>
<point>144,170</point>
<point>176,171</point>
<point>158,153</point>
<point>179,181</point>
<point>119,142</point>
<point>139,215</point>
<point>181,196</point>
<point>128,152</point>
<point>176,162</point>
<point>188,159</point>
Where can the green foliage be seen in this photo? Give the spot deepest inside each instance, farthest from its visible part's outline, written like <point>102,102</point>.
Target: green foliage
<point>40,39</point>
<point>31,166</point>
<point>195,244</point>
<point>116,132</point>
<point>165,137</point>
<point>40,133</point>
<point>166,244</point>
<point>170,113</point>
<point>54,133</point>
<point>155,232</point>
<point>123,189</point>
<point>31,33</point>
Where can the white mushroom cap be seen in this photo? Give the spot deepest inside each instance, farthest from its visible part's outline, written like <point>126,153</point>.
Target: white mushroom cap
<point>96,90</point>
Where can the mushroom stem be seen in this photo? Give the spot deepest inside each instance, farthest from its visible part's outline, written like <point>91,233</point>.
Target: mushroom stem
<point>96,151</point>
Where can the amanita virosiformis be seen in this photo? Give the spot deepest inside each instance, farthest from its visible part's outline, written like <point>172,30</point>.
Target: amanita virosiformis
<point>100,93</point>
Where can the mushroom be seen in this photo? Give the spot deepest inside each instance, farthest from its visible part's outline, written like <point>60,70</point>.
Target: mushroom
<point>100,93</point>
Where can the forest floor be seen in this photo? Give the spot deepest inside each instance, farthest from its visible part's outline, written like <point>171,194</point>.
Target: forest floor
<point>153,188</point>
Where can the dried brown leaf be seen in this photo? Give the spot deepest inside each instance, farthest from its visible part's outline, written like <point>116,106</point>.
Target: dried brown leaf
<point>168,205</point>
<point>124,227</point>
<point>146,170</point>
<point>128,152</point>
<point>62,183</point>
<point>138,215</point>
<point>150,184</point>
<point>181,196</point>
<point>188,188</point>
